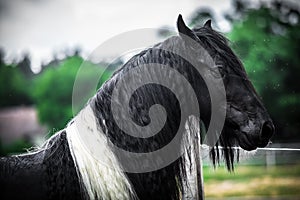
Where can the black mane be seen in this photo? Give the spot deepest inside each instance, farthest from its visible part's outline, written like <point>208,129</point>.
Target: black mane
<point>218,47</point>
<point>141,101</point>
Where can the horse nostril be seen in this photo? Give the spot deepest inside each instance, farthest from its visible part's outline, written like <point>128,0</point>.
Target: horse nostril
<point>267,130</point>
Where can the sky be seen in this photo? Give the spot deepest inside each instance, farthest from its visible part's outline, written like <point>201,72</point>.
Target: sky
<point>44,28</point>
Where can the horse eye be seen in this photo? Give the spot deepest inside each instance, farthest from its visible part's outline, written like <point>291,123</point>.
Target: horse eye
<point>222,71</point>
<point>218,72</point>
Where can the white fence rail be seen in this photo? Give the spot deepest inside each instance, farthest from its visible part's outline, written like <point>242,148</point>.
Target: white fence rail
<point>274,154</point>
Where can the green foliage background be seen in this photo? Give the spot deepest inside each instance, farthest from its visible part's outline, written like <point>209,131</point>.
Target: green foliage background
<point>14,88</point>
<point>52,92</point>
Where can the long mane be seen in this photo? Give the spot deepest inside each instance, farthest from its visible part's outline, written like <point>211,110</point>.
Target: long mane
<point>172,177</point>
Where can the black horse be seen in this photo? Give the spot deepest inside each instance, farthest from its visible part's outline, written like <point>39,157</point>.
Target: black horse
<point>64,169</point>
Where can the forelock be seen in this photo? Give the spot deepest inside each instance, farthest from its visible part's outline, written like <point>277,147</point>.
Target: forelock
<point>218,48</point>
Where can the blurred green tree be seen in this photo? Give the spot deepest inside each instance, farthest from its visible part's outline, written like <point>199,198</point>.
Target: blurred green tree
<point>25,66</point>
<point>14,87</point>
<point>52,89</point>
<point>52,92</point>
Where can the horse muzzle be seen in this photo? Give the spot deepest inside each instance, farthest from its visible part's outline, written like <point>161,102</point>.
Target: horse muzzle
<point>251,139</point>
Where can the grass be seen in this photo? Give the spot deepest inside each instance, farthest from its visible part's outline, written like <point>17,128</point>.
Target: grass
<point>253,181</point>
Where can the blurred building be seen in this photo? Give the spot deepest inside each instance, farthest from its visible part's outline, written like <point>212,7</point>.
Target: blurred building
<point>19,123</point>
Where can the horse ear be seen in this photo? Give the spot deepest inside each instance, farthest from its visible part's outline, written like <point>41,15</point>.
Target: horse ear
<point>183,29</point>
<point>208,24</point>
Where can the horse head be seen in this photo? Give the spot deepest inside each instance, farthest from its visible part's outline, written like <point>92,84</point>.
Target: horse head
<point>247,121</point>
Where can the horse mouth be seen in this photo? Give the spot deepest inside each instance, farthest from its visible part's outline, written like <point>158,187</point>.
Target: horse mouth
<point>249,143</point>
<point>250,140</point>
<point>242,138</point>
<point>245,143</point>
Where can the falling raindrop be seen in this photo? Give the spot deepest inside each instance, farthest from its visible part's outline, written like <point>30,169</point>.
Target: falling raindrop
<point>293,18</point>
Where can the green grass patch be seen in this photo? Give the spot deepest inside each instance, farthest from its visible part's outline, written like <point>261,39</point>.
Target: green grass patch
<point>248,181</point>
